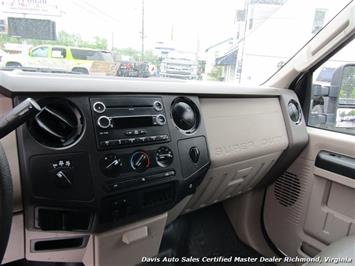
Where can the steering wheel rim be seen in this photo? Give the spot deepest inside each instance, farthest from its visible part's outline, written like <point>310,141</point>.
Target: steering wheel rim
<point>6,202</point>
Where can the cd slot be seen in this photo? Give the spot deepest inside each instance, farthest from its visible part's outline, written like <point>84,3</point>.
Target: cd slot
<point>132,121</point>
<point>128,106</point>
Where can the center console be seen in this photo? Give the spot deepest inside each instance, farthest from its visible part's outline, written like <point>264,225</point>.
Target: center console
<point>90,163</point>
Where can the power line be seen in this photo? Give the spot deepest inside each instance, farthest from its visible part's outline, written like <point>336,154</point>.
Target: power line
<point>93,10</point>
<point>85,8</point>
<point>101,11</point>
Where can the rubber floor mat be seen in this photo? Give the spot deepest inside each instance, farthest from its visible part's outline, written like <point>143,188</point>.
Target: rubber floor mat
<point>206,233</point>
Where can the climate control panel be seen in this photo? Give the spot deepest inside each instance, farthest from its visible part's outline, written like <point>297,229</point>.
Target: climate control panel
<point>118,164</point>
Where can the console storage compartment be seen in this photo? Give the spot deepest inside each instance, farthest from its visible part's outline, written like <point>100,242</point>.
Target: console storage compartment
<point>128,244</point>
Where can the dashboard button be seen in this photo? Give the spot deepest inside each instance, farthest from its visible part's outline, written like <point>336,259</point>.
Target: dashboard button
<point>163,137</point>
<point>113,187</point>
<point>148,139</point>
<point>194,154</point>
<point>105,143</point>
<point>129,133</point>
<point>139,140</point>
<point>125,141</point>
<point>115,142</point>
<point>170,173</point>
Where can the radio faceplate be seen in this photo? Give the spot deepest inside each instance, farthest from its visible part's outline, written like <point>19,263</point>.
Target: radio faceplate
<point>129,121</point>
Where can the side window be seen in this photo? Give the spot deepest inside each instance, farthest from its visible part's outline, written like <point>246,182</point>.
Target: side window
<point>59,53</point>
<point>40,52</point>
<point>332,103</point>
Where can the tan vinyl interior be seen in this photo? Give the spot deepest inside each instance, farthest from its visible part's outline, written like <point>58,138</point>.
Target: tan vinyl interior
<point>240,157</point>
<point>246,136</point>
<point>10,146</point>
<point>252,139</point>
<point>127,245</point>
<point>324,210</point>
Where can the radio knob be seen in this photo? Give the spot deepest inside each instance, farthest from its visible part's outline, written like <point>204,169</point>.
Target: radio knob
<point>104,122</point>
<point>160,120</point>
<point>140,161</point>
<point>99,107</point>
<point>158,106</point>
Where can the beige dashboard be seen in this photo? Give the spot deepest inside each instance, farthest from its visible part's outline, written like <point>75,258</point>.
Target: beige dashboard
<point>248,129</point>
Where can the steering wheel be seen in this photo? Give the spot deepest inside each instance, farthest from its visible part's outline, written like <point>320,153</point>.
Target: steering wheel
<point>5,202</point>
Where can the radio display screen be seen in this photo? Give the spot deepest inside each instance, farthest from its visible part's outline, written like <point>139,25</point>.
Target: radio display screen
<point>132,122</point>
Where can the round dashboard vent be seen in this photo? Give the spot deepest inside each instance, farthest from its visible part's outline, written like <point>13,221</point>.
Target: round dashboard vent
<point>294,111</point>
<point>185,115</point>
<point>58,125</point>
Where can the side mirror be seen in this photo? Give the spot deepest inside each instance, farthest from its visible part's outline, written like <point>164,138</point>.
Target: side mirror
<point>343,83</point>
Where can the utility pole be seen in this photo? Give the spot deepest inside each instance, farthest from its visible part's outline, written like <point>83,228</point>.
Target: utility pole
<point>142,51</point>
<point>241,46</point>
<point>112,40</point>
<point>172,32</point>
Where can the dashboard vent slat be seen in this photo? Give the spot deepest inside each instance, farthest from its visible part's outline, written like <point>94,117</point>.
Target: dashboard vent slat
<point>59,124</point>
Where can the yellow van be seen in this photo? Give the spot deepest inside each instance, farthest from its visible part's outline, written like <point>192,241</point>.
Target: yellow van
<point>74,59</point>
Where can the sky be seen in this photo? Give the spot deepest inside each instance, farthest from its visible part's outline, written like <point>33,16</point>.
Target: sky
<point>189,23</point>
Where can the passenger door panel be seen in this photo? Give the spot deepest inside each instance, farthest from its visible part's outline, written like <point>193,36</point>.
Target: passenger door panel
<point>312,204</point>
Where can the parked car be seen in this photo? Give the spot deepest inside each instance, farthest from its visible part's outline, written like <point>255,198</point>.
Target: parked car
<point>2,54</point>
<point>74,59</point>
<point>179,65</point>
<point>132,69</point>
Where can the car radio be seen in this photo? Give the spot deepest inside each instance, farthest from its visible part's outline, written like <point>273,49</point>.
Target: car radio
<point>129,121</point>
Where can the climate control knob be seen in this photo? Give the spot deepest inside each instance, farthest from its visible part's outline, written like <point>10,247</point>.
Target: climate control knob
<point>111,165</point>
<point>140,161</point>
<point>164,156</point>
<point>104,122</point>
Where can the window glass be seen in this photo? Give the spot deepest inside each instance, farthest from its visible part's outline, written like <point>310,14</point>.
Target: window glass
<point>59,52</point>
<point>40,52</point>
<point>333,93</point>
<point>236,41</point>
<point>83,54</point>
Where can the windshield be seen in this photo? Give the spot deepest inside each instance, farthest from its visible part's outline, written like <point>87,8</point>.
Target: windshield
<point>240,41</point>
<point>83,54</point>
